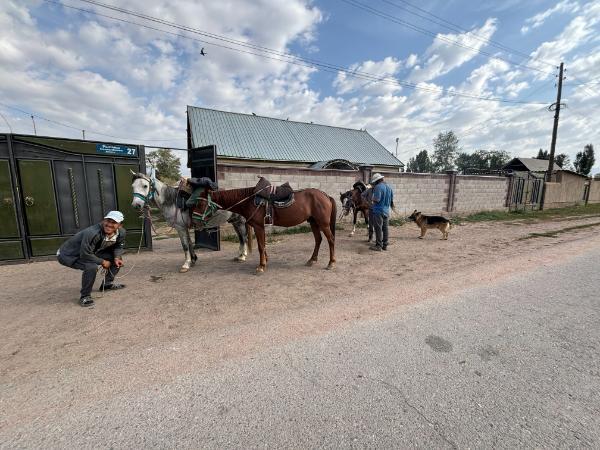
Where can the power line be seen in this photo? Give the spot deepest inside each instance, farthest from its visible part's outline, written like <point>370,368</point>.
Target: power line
<point>276,55</point>
<point>457,28</point>
<point>399,21</point>
<point>62,124</point>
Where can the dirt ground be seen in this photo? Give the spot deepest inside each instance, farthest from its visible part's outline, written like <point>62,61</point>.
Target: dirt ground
<point>54,354</point>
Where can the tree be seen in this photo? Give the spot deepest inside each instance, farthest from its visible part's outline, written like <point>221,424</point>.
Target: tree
<point>445,149</point>
<point>562,159</point>
<point>420,163</point>
<point>584,161</point>
<point>484,160</point>
<point>166,164</point>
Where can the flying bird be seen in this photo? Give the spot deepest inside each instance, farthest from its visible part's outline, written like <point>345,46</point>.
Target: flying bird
<point>202,51</point>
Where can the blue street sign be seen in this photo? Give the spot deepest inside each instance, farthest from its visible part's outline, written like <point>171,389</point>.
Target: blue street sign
<point>117,150</point>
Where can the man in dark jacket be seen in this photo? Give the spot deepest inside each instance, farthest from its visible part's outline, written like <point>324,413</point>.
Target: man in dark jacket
<point>99,245</point>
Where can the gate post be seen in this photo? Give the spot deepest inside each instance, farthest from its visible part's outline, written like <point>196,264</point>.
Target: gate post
<point>451,189</point>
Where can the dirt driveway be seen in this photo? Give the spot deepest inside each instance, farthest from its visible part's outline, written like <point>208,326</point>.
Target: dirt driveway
<point>55,354</point>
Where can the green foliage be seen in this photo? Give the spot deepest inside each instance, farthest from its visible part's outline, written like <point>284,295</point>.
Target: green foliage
<point>445,150</point>
<point>420,163</point>
<point>584,161</point>
<point>166,164</point>
<point>562,159</point>
<point>482,160</point>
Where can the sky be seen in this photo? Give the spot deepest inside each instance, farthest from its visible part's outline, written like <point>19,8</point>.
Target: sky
<point>403,70</point>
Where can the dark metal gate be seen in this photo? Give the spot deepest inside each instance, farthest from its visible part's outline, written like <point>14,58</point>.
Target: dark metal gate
<point>525,192</point>
<point>203,163</point>
<point>50,188</point>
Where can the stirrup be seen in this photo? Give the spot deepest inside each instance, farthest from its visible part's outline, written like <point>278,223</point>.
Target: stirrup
<point>268,219</point>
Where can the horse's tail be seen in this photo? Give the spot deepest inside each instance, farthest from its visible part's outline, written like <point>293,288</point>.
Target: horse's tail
<point>333,215</point>
<point>249,237</point>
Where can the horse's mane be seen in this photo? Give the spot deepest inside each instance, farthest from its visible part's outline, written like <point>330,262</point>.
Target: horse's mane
<point>170,195</point>
<point>232,195</point>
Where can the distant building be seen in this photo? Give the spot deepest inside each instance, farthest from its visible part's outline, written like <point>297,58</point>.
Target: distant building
<point>251,140</point>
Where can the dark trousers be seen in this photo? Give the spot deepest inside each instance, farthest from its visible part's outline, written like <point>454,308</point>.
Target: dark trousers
<point>380,223</point>
<point>90,269</point>
<point>371,223</point>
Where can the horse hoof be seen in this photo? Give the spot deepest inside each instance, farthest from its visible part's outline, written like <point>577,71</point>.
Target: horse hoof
<point>310,263</point>
<point>351,234</point>
<point>260,271</point>
<point>331,266</point>
<point>239,259</point>
<point>184,269</point>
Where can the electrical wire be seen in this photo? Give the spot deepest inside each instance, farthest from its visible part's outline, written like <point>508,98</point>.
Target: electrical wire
<point>276,55</point>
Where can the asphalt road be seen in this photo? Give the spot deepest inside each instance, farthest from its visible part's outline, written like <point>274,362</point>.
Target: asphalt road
<point>511,365</point>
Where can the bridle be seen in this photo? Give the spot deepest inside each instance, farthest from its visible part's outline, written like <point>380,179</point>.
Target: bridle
<point>151,192</point>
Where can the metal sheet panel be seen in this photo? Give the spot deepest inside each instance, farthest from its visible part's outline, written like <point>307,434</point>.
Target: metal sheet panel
<point>11,250</point>
<point>72,199</point>
<point>38,196</point>
<point>101,189</point>
<point>204,164</point>
<point>8,213</point>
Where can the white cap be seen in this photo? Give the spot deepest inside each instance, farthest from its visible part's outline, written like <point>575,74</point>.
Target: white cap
<point>117,216</point>
<point>376,177</point>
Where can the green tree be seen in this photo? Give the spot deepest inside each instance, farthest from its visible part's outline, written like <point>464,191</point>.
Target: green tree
<point>420,163</point>
<point>482,160</point>
<point>542,154</point>
<point>166,164</point>
<point>445,150</point>
<point>563,161</point>
<point>584,161</point>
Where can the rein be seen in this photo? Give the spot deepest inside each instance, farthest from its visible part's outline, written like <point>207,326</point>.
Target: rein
<point>212,207</point>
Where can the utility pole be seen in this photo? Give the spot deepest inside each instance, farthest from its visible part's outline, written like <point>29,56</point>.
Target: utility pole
<point>397,139</point>
<point>555,128</point>
<point>34,130</point>
<point>83,132</point>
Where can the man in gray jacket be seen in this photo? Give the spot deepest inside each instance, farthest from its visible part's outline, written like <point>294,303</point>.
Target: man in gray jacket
<point>99,245</point>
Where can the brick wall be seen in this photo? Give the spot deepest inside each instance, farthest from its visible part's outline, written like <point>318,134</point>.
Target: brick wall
<point>566,191</point>
<point>425,192</point>
<point>480,193</point>
<point>594,192</point>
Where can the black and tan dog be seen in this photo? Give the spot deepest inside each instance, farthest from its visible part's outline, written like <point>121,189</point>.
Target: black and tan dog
<point>425,222</point>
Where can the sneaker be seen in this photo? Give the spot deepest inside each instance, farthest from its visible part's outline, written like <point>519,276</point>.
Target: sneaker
<point>110,287</point>
<point>375,248</point>
<point>384,248</point>
<point>86,301</point>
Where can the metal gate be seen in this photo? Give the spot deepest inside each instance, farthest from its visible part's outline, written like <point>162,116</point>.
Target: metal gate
<point>525,192</point>
<point>51,188</point>
<point>203,163</point>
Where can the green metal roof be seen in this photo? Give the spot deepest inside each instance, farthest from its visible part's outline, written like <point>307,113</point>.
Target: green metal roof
<point>255,137</point>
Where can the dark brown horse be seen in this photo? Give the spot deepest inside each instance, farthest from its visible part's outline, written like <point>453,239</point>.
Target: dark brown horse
<point>310,205</point>
<point>357,200</point>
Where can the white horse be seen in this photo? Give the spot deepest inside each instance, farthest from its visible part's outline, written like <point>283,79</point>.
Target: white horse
<point>148,191</point>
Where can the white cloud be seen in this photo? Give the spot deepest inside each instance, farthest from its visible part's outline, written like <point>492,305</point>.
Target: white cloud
<point>442,56</point>
<point>539,19</point>
<point>387,68</point>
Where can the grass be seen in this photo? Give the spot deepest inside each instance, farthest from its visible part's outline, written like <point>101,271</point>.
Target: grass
<point>555,233</point>
<point>547,214</point>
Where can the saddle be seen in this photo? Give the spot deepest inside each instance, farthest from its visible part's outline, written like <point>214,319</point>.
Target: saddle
<point>271,196</point>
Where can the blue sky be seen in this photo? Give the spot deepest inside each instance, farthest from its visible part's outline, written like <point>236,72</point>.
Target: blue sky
<point>116,79</point>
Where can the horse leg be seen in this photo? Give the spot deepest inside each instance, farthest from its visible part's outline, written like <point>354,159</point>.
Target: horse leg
<point>318,239</point>
<point>191,246</point>
<point>185,243</point>
<point>355,214</point>
<point>331,241</point>
<point>259,232</point>
<point>240,230</point>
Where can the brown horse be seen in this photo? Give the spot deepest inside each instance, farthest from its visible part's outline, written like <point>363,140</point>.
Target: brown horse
<point>358,200</point>
<point>310,205</point>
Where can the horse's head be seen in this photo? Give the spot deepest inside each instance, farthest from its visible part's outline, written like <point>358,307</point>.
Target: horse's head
<point>346,200</point>
<point>143,189</point>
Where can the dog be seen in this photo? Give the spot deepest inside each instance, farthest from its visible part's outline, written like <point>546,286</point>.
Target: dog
<point>425,222</point>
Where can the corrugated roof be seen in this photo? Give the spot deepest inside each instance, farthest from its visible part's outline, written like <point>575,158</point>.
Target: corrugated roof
<point>531,164</point>
<point>256,137</point>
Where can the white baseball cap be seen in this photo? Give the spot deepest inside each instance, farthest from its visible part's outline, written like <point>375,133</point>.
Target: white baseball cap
<point>117,216</point>
<point>376,177</point>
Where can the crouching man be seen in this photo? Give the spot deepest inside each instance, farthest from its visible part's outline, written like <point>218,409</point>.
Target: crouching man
<point>99,245</point>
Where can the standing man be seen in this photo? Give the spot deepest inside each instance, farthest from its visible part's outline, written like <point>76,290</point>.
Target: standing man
<point>99,245</point>
<point>383,198</point>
